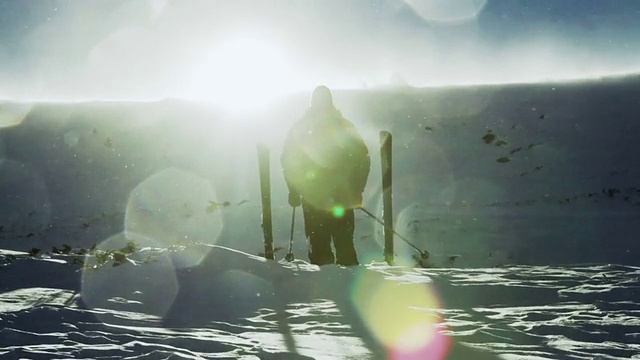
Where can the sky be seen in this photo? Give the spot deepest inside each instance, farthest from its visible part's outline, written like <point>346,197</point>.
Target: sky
<point>238,50</point>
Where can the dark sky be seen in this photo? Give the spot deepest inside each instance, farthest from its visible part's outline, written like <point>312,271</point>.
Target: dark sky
<point>149,48</point>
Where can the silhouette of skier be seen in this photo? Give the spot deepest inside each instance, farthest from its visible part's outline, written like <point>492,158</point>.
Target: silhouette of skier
<point>326,164</point>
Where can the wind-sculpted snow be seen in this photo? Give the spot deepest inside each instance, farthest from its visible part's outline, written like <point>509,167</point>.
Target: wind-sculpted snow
<point>302,311</point>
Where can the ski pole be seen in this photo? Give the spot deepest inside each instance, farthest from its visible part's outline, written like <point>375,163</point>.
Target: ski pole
<point>424,254</point>
<point>290,256</point>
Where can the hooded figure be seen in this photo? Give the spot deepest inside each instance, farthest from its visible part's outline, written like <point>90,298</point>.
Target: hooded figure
<point>326,164</point>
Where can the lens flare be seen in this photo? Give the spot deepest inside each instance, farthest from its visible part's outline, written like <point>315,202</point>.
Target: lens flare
<point>175,208</point>
<point>323,171</point>
<point>110,278</point>
<point>244,74</point>
<point>400,316</point>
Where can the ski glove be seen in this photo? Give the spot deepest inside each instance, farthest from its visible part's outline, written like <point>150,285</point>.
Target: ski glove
<point>359,201</point>
<point>294,199</point>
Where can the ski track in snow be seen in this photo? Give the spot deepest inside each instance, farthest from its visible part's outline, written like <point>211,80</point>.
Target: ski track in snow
<point>517,312</point>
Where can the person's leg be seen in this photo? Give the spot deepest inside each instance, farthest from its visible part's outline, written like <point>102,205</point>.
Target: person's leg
<point>343,239</point>
<point>318,233</point>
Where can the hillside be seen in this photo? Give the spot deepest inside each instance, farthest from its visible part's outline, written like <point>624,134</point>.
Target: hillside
<point>532,174</point>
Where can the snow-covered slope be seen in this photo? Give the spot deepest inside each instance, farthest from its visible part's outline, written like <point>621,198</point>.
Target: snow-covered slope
<point>537,174</point>
<point>543,178</point>
<point>235,305</point>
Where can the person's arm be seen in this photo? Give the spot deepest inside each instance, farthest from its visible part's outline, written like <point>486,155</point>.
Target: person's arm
<point>363,166</point>
<point>360,159</point>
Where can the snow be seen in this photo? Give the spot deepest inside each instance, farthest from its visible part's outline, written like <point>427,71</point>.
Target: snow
<point>235,305</point>
<point>132,231</point>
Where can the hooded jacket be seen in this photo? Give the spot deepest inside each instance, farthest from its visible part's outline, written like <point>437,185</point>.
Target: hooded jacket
<point>325,159</point>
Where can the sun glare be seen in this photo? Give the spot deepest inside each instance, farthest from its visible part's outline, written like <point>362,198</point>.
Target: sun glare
<point>243,74</point>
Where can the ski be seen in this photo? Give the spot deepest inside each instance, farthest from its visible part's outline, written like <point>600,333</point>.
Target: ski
<point>387,204</point>
<point>387,208</point>
<point>265,191</point>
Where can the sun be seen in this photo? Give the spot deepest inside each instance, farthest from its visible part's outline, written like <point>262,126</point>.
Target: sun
<point>243,74</point>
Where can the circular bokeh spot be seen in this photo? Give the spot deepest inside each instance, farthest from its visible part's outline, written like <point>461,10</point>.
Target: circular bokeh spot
<point>401,316</point>
<point>129,272</point>
<point>321,172</point>
<point>177,208</point>
<point>338,211</point>
<point>414,223</point>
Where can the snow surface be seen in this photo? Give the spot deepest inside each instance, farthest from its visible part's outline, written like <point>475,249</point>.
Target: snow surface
<point>132,230</point>
<point>235,305</point>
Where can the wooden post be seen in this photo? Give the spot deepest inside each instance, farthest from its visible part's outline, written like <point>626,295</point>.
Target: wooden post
<point>265,189</point>
<point>387,207</point>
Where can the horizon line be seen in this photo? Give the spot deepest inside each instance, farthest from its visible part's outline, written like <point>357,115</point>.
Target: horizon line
<point>384,87</point>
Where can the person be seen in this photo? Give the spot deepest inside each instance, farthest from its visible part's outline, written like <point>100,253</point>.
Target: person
<point>326,164</point>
